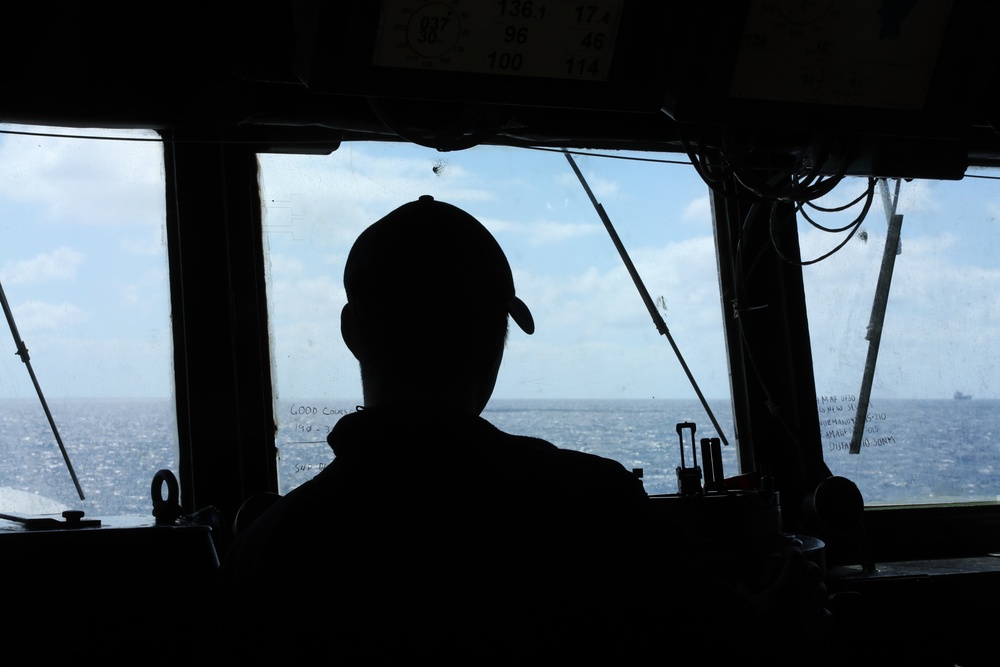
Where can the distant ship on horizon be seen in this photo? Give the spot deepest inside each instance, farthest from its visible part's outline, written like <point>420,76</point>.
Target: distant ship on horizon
<point>959,396</point>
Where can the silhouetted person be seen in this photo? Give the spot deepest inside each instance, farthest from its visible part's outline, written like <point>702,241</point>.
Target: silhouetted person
<point>432,533</point>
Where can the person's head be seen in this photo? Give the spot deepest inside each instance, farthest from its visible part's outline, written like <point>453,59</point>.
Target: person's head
<point>429,292</point>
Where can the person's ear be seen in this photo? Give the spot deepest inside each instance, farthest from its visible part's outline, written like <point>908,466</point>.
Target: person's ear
<point>487,382</point>
<point>349,330</point>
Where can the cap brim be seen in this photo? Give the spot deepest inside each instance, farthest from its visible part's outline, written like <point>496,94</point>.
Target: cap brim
<point>521,315</point>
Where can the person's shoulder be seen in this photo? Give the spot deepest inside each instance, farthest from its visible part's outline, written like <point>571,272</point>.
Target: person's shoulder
<point>543,449</point>
<point>271,527</point>
<point>573,470</point>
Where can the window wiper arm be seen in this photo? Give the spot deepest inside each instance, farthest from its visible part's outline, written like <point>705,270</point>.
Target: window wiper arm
<point>874,334</point>
<point>661,326</point>
<point>22,351</point>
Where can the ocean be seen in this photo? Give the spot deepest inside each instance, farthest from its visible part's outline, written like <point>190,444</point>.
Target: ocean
<point>915,451</point>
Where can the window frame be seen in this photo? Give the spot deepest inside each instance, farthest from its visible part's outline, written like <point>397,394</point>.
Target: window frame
<point>225,405</point>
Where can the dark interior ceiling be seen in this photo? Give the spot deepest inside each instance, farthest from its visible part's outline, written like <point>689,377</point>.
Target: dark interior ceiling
<point>284,73</point>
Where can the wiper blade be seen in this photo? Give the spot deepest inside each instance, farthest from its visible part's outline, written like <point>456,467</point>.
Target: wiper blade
<point>874,333</point>
<point>661,326</point>
<point>22,351</point>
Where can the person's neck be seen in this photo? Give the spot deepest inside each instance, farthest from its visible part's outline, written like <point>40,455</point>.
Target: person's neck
<point>460,396</point>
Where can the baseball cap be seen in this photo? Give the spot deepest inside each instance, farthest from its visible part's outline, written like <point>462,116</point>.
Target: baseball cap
<point>430,254</point>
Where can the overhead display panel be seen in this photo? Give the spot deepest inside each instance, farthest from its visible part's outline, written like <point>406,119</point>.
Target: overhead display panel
<point>564,39</point>
<point>852,53</point>
<point>551,54</point>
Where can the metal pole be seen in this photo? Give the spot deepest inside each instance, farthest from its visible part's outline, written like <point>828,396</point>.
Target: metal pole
<point>874,334</point>
<point>22,351</point>
<point>661,326</point>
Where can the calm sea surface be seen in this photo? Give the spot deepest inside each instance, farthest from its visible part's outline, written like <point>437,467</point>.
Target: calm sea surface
<point>915,451</point>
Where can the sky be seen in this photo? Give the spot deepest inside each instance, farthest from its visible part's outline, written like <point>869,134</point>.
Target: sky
<point>83,267</point>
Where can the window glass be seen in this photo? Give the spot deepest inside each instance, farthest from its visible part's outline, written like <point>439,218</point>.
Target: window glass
<point>928,364</point>
<point>83,268</point>
<point>597,375</point>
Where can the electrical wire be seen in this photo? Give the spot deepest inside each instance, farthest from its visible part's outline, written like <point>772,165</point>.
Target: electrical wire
<point>802,187</point>
<point>718,181</point>
<point>868,192</point>
<point>836,209</point>
<point>742,311</point>
<point>854,226</point>
<point>692,158</point>
<point>731,160</point>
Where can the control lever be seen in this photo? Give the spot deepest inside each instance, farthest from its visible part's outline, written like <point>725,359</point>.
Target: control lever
<point>688,479</point>
<point>711,460</point>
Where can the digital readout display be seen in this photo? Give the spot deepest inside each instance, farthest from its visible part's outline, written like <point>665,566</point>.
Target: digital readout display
<point>564,39</point>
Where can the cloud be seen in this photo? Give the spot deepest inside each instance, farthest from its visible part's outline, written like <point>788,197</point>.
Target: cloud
<point>86,181</point>
<point>603,188</point>
<point>300,295</point>
<point>332,201</point>
<point>60,264</point>
<point>542,232</point>
<point>152,245</point>
<point>698,210</point>
<point>39,316</point>
<point>601,304</point>
<point>917,197</point>
<point>940,320</point>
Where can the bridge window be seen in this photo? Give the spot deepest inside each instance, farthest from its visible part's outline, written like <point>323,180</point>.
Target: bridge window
<point>86,402</point>
<point>905,338</point>
<point>597,375</point>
